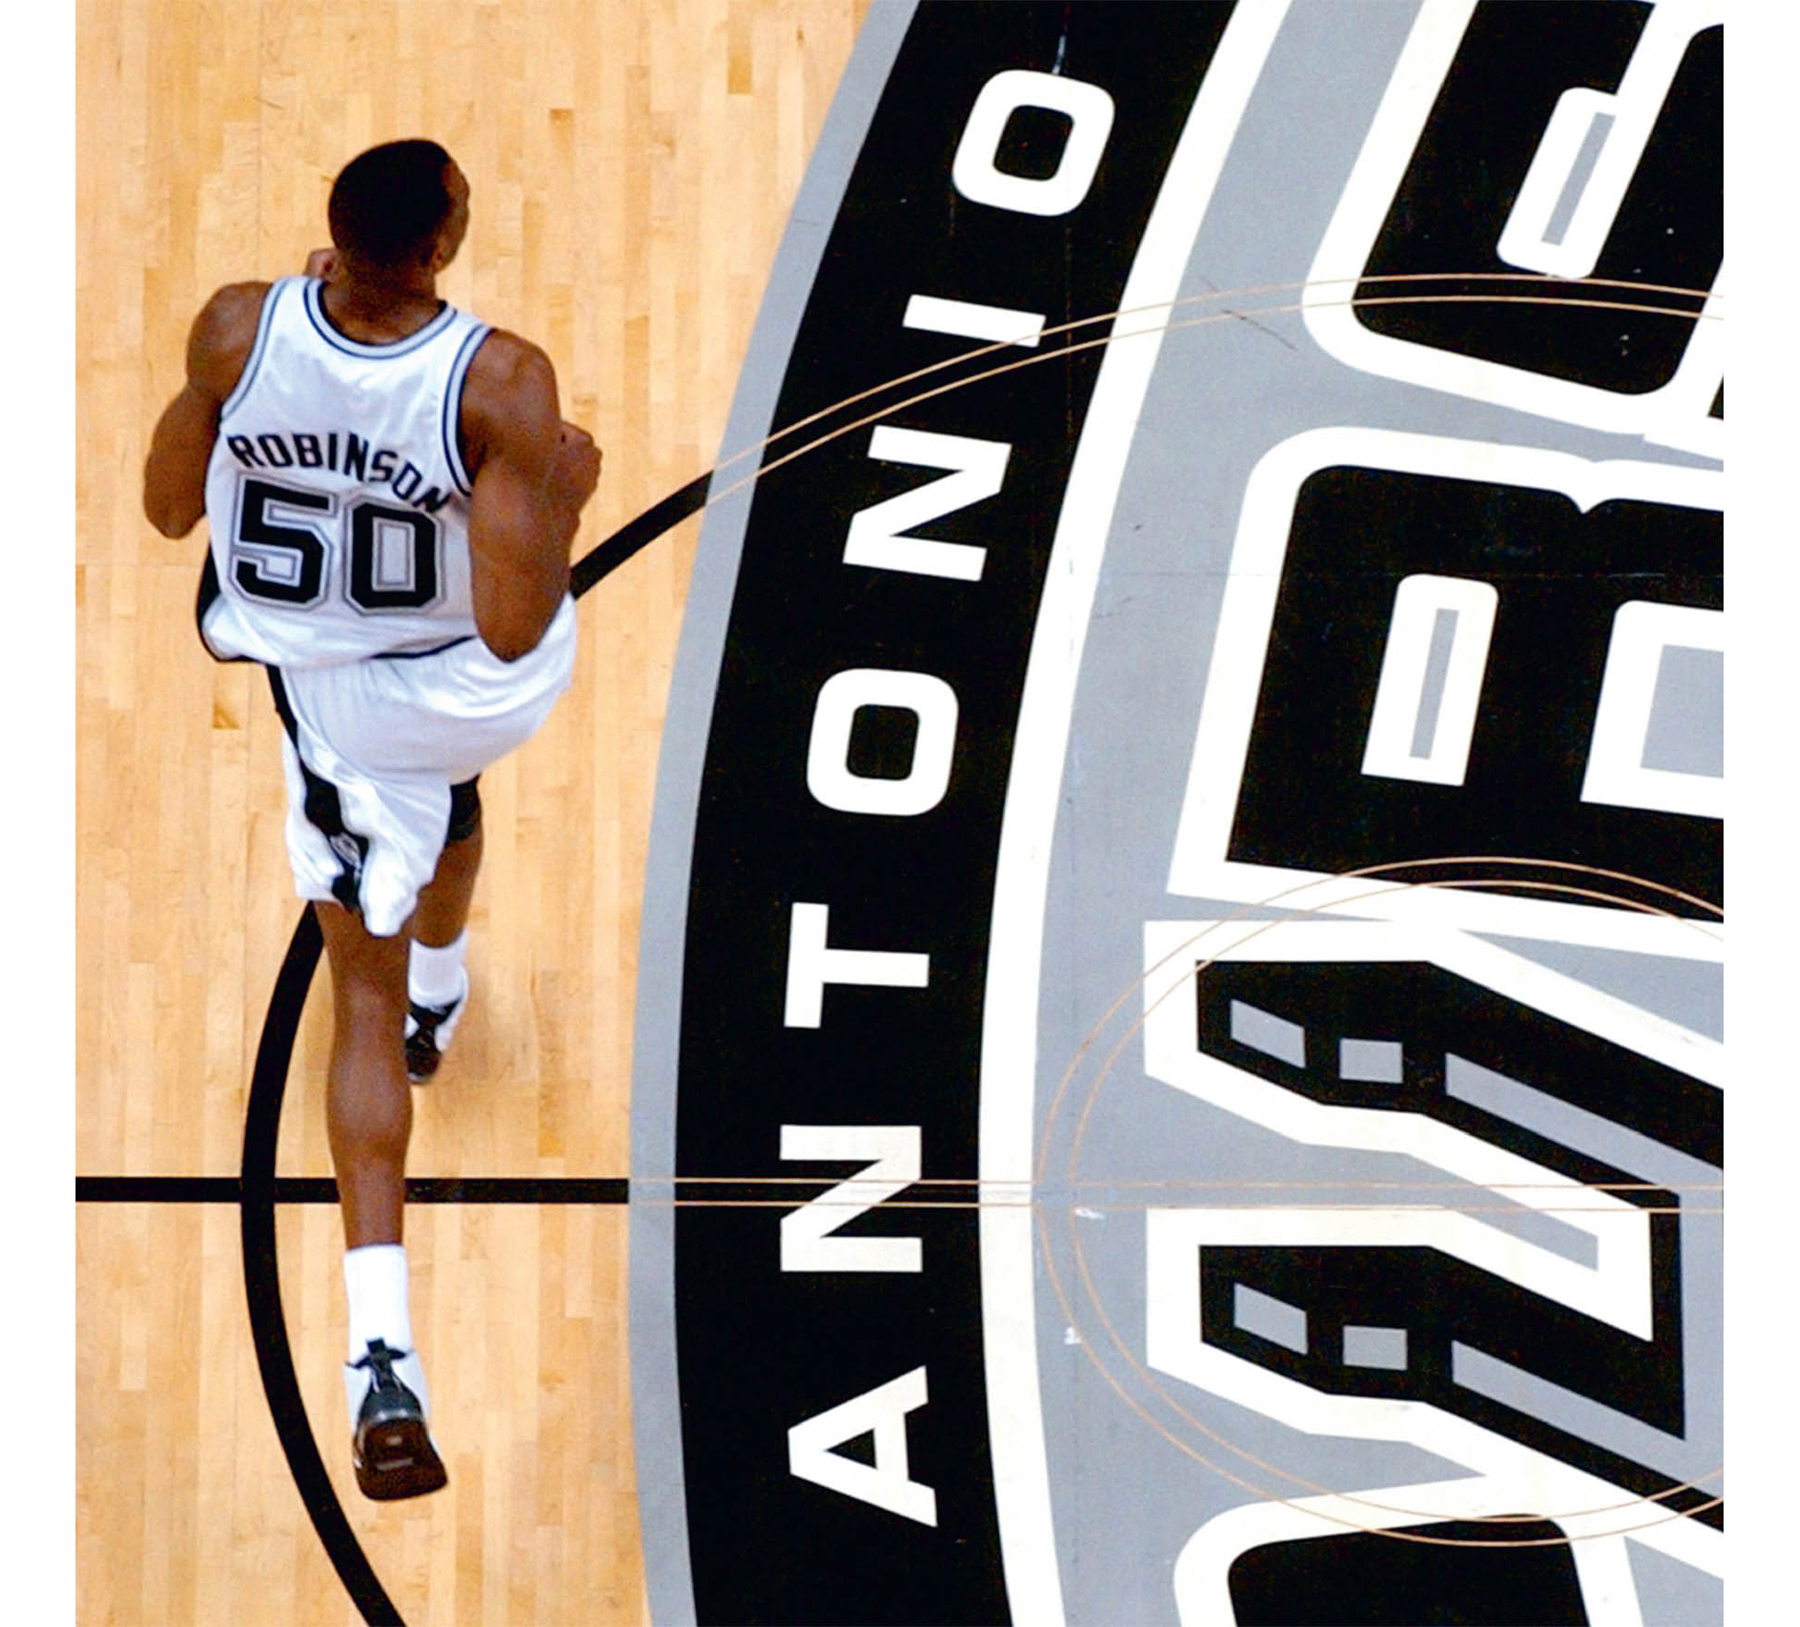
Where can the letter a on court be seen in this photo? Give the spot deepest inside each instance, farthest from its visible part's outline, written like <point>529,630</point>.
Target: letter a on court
<point>812,1451</point>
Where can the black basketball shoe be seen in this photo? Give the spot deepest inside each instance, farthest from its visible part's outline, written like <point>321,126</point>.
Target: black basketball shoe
<point>391,1447</point>
<point>428,1031</point>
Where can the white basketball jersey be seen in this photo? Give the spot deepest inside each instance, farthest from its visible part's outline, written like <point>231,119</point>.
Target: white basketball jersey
<point>337,500</point>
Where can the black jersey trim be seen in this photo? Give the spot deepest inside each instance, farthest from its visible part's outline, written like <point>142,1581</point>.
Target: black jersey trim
<point>452,413</point>
<point>283,709</point>
<point>265,322</point>
<point>419,655</point>
<point>314,305</point>
<point>209,595</point>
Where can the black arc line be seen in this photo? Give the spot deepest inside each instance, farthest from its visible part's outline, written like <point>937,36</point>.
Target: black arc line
<point>259,1190</point>
<point>635,535</point>
<point>262,1279</point>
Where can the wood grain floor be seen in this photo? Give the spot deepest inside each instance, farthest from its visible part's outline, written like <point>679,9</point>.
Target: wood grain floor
<point>632,165</point>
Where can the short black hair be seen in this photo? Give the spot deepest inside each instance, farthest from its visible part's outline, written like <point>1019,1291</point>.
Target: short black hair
<point>388,203</point>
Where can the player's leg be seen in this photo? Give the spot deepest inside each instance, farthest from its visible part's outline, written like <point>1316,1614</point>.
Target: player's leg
<point>368,1114</point>
<point>368,1108</point>
<point>443,910</point>
<point>458,707</point>
<point>438,982</point>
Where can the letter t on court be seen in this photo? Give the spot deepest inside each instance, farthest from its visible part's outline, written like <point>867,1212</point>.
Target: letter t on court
<point>811,965</point>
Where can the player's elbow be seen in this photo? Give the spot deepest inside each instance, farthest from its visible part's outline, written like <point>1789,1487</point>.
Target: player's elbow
<point>510,638</point>
<point>512,614</point>
<point>171,518</point>
<point>173,500</point>
<point>509,650</point>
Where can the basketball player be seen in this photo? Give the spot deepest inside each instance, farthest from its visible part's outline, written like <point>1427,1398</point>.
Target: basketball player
<point>392,495</point>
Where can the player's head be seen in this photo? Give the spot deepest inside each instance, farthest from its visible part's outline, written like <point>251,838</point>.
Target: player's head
<point>399,207</point>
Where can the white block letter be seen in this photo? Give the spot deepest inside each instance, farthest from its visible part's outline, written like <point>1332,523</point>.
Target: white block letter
<point>807,1243</point>
<point>1642,630</point>
<point>885,1485</point>
<point>877,535</point>
<point>974,173</point>
<point>828,775</point>
<point>998,324</point>
<point>811,965</point>
<point>1592,147</point>
<point>1399,726</point>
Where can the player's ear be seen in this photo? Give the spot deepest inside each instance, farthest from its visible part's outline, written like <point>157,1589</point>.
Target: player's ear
<point>442,251</point>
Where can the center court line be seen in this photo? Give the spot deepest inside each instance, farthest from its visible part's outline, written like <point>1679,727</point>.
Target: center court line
<point>596,1190</point>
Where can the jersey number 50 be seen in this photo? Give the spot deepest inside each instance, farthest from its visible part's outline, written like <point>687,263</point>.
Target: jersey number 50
<point>284,539</point>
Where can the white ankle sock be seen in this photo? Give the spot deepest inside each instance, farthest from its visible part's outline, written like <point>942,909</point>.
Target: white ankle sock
<point>375,1283</point>
<point>434,977</point>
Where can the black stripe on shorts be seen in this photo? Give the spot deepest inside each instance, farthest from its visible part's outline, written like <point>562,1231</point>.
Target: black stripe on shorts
<point>324,810</point>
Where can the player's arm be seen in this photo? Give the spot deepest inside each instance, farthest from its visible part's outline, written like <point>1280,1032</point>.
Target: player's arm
<point>219,344</point>
<point>532,475</point>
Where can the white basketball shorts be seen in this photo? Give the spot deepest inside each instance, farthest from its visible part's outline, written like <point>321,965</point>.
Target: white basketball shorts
<point>372,748</point>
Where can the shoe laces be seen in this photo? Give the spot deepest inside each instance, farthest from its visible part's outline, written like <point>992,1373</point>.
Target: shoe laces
<point>379,1359</point>
<point>427,1018</point>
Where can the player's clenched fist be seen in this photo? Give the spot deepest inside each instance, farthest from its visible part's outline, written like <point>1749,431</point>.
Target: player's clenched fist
<point>577,468</point>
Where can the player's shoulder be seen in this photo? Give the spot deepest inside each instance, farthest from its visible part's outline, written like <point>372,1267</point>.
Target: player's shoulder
<point>223,335</point>
<point>506,361</point>
<point>509,377</point>
<point>232,312</point>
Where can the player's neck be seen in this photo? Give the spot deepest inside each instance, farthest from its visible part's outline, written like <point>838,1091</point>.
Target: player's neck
<point>379,311</point>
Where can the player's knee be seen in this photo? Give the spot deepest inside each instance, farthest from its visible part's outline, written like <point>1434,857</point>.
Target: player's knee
<point>368,992</point>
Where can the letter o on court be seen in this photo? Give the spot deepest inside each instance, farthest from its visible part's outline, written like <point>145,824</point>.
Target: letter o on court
<point>974,173</point>
<point>828,776</point>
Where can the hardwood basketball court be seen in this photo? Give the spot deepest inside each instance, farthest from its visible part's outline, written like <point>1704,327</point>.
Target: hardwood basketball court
<point>1094,721</point>
<point>632,168</point>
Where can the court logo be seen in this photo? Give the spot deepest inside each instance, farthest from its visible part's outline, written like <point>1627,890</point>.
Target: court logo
<point>1194,1072</point>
